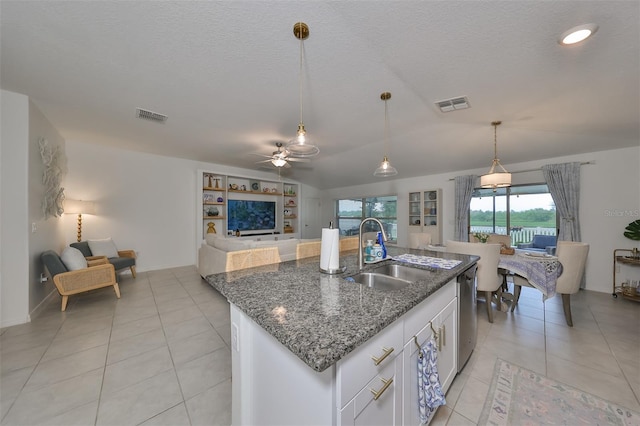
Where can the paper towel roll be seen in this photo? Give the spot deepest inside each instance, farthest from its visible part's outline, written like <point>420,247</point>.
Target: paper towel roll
<point>330,249</point>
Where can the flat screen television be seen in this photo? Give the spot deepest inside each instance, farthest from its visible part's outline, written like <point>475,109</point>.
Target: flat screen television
<point>251,215</point>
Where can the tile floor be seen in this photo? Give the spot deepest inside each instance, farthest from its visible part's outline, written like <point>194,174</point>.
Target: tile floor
<point>160,355</point>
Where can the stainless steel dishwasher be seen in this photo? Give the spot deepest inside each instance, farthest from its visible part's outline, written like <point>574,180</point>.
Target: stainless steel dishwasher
<point>467,319</point>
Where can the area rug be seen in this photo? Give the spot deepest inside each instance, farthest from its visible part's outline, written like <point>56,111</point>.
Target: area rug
<point>518,396</point>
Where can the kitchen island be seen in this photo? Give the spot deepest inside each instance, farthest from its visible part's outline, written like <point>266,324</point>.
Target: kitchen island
<point>301,340</point>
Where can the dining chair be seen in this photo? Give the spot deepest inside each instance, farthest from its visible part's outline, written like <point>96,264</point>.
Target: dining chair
<point>505,242</point>
<point>419,240</point>
<point>488,280</point>
<point>572,256</point>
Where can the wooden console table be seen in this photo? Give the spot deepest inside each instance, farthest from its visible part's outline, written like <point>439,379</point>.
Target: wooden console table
<point>626,260</point>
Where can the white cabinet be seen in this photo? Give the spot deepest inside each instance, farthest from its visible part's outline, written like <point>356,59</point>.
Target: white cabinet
<point>380,401</point>
<point>425,213</point>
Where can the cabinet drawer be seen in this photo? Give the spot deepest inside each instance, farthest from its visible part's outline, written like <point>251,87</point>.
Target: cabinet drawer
<point>359,367</point>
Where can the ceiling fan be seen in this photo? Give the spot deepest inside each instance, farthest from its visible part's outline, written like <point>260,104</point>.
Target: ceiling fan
<point>281,158</point>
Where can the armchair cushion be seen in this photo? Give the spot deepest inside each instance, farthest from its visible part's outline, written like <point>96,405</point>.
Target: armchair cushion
<point>83,246</point>
<point>53,263</point>
<point>105,247</point>
<point>73,259</point>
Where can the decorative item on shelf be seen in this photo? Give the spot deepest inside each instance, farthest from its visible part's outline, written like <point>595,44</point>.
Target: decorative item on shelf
<point>207,198</point>
<point>495,179</point>
<point>233,186</point>
<point>255,186</point>
<point>211,228</point>
<point>416,222</point>
<point>213,211</point>
<point>481,237</point>
<point>274,190</point>
<point>265,189</point>
<point>433,222</point>
<point>432,196</point>
<point>292,202</point>
<point>237,232</point>
<point>210,183</point>
<point>220,200</point>
<point>243,188</point>
<point>385,169</point>
<point>217,180</point>
<point>300,145</point>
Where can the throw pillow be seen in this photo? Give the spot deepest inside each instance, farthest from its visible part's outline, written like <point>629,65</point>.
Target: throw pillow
<point>105,247</point>
<point>73,259</point>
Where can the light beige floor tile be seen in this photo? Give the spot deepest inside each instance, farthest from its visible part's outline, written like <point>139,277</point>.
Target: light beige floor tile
<point>175,304</point>
<point>180,315</point>
<point>136,369</point>
<point>515,335</point>
<point>459,420</point>
<point>34,407</point>
<point>216,313</point>
<point>588,354</point>
<point>135,313</point>
<point>62,347</point>
<point>188,328</point>
<point>604,385</point>
<point>202,373</point>
<point>483,366</point>
<point>471,399</point>
<point>135,345</point>
<point>21,342</point>
<point>137,403</point>
<point>211,407</point>
<point>456,388</point>
<point>133,328</point>
<point>193,347</point>
<point>59,369</point>
<point>5,405</point>
<point>174,416</point>
<point>79,416</point>
<point>224,331</point>
<point>71,328</point>
<point>624,349</point>
<point>12,382</point>
<point>167,293</point>
<point>441,416</point>
<point>17,360</point>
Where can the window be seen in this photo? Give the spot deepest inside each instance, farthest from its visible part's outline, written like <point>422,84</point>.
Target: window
<point>520,211</point>
<point>351,211</point>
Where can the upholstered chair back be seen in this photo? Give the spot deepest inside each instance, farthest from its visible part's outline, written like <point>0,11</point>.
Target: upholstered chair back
<point>487,277</point>
<point>573,257</point>
<point>419,240</point>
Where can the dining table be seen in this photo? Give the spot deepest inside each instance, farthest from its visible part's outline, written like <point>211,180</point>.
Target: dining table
<point>541,270</point>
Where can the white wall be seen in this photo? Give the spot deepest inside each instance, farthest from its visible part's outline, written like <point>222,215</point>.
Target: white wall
<point>14,143</point>
<point>610,199</point>
<point>144,202</point>
<point>48,233</point>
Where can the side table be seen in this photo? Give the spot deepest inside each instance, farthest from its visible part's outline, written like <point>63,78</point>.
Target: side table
<point>627,292</point>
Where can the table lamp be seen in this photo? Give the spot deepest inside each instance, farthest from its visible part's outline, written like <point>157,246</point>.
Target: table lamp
<point>79,207</point>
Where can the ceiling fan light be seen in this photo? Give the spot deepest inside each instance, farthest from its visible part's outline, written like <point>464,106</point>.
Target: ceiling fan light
<point>279,162</point>
<point>385,169</point>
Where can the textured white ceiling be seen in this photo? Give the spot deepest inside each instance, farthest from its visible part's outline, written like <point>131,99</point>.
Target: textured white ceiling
<point>226,73</point>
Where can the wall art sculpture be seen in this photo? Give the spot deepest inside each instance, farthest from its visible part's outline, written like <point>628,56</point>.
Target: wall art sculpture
<point>55,168</point>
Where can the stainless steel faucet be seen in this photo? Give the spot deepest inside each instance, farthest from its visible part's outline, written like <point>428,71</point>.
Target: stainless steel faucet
<point>384,237</point>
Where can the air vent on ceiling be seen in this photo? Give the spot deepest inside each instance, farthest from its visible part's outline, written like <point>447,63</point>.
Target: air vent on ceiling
<point>150,115</point>
<point>453,104</point>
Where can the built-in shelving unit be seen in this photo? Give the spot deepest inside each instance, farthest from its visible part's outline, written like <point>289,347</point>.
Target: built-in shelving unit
<point>218,189</point>
<point>425,213</point>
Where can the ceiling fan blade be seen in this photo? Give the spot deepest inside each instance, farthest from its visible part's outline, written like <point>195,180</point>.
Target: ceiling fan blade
<point>264,161</point>
<point>299,160</point>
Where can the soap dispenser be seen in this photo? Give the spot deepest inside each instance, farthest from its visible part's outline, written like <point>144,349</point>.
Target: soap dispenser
<point>380,241</point>
<point>368,252</point>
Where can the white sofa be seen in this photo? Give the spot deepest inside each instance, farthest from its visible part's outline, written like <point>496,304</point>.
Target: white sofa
<point>212,255</point>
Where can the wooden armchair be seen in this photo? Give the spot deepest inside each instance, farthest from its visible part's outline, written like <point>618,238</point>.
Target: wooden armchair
<point>125,258</point>
<point>99,273</point>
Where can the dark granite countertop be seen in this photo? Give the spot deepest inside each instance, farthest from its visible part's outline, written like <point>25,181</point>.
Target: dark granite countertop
<point>320,317</point>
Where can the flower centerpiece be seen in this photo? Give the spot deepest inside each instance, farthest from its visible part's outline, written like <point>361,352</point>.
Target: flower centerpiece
<point>481,236</point>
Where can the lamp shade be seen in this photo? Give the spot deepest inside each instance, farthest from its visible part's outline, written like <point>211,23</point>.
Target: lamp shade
<point>79,207</point>
<point>495,180</point>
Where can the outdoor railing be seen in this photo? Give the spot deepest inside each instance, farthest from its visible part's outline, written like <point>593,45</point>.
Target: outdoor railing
<point>518,236</point>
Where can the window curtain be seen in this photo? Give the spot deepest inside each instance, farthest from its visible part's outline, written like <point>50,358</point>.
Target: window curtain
<point>563,181</point>
<point>464,191</point>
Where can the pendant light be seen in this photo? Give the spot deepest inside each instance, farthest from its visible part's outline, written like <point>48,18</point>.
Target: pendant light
<point>496,179</point>
<point>300,145</point>
<point>385,169</point>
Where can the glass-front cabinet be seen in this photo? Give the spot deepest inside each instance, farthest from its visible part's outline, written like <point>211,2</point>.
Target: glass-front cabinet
<point>425,213</point>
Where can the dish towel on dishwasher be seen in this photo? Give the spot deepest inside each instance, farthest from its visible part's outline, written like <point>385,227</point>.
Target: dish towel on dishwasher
<point>430,394</point>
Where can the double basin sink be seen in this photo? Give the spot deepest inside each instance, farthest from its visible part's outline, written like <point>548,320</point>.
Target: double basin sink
<point>389,276</point>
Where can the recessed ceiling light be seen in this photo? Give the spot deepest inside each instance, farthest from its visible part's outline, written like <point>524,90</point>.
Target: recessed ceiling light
<point>577,34</point>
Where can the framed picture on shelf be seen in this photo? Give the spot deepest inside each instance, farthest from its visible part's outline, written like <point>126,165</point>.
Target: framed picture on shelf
<point>208,198</point>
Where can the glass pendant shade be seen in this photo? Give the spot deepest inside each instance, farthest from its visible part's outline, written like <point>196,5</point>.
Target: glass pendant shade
<point>385,169</point>
<point>300,146</point>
